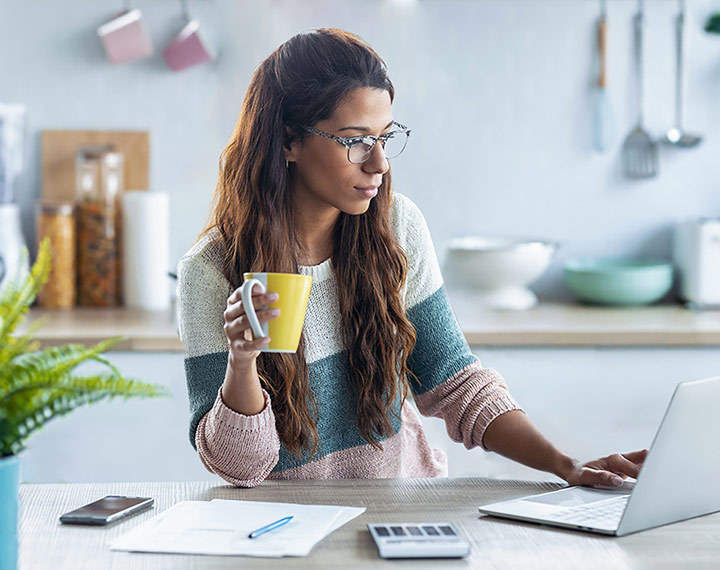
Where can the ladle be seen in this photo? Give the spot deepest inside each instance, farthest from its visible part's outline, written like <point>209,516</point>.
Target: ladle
<point>676,135</point>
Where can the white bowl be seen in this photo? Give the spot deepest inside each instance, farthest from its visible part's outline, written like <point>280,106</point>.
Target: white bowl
<point>497,270</point>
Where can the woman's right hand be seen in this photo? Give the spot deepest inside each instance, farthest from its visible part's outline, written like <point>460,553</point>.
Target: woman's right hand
<point>237,325</point>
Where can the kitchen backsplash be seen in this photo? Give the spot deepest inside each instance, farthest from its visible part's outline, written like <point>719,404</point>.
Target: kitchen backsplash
<point>498,94</point>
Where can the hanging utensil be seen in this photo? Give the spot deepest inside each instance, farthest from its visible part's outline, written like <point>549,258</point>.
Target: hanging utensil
<point>676,136</point>
<point>603,116</point>
<point>639,152</point>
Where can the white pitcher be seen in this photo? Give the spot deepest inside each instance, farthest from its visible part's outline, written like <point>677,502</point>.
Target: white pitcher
<point>14,264</point>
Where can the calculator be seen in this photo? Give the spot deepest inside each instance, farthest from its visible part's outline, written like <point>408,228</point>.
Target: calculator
<point>419,540</point>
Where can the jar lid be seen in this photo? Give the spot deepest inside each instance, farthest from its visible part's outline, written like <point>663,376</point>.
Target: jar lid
<point>64,208</point>
<point>93,152</point>
<point>113,159</point>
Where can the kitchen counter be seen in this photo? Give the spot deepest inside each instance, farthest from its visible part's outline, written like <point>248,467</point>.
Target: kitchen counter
<point>584,325</point>
<point>545,325</point>
<point>145,331</point>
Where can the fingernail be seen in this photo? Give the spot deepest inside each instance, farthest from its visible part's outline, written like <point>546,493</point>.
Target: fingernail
<point>266,340</point>
<point>273,296</point>
<point>617,481</point>
<point>274,312</point>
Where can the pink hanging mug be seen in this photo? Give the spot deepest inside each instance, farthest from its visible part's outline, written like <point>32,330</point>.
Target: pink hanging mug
<point>188,48</point>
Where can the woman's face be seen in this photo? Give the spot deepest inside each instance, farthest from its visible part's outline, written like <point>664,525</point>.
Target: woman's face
<point>323,177</point>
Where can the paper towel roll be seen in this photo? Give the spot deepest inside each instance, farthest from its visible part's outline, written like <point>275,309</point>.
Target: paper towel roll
<point>146,255</point>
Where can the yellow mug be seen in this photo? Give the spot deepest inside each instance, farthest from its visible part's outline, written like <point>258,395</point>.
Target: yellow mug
<point>293,293</point>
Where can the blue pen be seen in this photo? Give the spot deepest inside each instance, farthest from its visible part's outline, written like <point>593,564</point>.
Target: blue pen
<point>268,528</point>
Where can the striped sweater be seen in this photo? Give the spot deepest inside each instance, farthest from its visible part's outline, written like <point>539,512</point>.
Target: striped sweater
<point>450,381</point>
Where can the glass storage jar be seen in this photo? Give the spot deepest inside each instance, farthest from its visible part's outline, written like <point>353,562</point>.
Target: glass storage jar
<point>99,179</point>
<point>56,221</point>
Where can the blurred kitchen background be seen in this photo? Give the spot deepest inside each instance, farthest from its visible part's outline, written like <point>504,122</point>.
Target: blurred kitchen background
<point>501,97</point>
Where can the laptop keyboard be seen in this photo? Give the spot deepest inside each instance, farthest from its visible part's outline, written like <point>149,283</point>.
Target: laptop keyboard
<point>604,514</point>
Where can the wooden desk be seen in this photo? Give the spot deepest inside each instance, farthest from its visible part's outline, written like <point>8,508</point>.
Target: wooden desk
<point>45,543</point>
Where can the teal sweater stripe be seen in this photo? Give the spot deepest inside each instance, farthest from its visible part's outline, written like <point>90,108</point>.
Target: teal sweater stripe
<point>441,350</point>
<point>337,409</point>
<point>331,387</point>
<point>204,374</point>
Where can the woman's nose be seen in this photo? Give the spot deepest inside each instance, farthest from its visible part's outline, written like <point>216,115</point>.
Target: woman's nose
<point>377,163</point>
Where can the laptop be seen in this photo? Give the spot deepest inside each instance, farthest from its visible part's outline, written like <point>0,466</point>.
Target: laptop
<point>678,480</point>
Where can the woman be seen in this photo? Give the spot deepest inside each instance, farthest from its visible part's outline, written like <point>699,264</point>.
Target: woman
<point>305,187</point>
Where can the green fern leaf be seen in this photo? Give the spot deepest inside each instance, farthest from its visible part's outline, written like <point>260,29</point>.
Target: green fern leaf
<point>15,300</point>
<point>28,409</point>
<point>51,363</point>
<point>39,385</point>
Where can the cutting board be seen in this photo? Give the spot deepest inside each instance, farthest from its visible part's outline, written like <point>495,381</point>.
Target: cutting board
<point>58,159</point>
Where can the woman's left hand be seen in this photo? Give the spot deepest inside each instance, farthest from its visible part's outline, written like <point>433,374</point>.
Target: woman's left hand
<point>607,471</point>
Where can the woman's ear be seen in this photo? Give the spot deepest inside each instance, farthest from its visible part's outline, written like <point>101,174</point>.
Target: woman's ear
<point>290,144</point>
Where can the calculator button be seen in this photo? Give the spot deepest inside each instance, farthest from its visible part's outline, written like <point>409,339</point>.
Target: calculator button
<point>415,531</point>
<point>397,530</point>
<point>431,531</point>
<point>382,531</point>
<point>447,531</point>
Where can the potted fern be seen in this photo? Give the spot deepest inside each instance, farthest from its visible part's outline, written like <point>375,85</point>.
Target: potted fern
<point>39,385</point>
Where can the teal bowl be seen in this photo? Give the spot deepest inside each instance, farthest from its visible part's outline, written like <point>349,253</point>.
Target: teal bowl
<point>621,282</point>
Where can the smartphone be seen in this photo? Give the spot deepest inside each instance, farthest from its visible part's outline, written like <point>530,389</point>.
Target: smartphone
<point>107,510</point>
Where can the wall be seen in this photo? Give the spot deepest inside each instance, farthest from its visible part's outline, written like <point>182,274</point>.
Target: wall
<point>497,93</point>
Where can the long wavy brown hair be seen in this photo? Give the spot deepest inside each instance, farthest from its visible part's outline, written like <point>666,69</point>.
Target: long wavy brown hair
<point>301,83</point>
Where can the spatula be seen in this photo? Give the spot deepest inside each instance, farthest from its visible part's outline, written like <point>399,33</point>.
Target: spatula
<point>640,150</point>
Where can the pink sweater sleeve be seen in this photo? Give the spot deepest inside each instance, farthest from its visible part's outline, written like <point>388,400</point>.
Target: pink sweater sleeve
<point>468,402</point>
<point>241,449</point>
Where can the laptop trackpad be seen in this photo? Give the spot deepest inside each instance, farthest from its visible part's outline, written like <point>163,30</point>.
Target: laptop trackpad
<point>571,497</point>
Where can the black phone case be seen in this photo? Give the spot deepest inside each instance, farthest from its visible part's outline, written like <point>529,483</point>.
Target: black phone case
<point>69,518</point>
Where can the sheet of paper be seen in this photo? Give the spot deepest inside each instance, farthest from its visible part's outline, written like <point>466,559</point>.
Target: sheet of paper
<point>221,527</point>
<point>345,515</point>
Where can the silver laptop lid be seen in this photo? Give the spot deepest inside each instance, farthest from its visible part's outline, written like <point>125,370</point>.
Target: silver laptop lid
<point>680,474</point>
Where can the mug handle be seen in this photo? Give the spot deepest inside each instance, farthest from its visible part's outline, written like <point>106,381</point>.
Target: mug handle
<point>246,294</point>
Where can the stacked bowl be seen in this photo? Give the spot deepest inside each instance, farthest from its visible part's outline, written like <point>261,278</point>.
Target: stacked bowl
<point>618,281</point>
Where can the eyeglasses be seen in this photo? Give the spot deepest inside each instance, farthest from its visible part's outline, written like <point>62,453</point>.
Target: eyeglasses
<point>359,149</point>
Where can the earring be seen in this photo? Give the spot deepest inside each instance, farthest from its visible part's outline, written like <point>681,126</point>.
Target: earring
<point>287,163</point>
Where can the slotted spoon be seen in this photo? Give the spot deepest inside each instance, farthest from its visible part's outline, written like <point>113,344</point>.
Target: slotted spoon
<point>640,150</point>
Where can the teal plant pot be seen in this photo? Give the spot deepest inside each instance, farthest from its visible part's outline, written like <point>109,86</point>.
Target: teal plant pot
<point>9,509</point>
<point>620,282</point>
